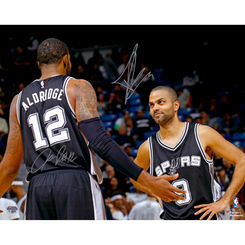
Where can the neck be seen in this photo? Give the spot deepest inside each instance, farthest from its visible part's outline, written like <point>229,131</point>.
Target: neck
<point>172,128</point>
<point>50,70</point>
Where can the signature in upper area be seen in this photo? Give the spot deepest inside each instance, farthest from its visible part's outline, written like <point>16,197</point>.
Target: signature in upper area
<point>132,83</point>
<point>62,156</point>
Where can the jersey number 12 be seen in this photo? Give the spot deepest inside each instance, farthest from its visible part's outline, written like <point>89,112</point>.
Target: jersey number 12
<point>55,121</point>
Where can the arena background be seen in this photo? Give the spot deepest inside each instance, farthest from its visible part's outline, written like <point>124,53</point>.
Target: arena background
<point>215,54</point>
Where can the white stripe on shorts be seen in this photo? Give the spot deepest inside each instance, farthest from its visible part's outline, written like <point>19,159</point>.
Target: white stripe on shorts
<point>98,203</point>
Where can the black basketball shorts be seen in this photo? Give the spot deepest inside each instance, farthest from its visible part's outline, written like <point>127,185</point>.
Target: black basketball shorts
<point>64,195</point>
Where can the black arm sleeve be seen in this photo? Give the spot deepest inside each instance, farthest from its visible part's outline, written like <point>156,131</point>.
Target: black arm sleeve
<point>107,148</point>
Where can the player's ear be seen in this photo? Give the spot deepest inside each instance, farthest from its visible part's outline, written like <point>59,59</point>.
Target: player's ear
<point>176,105</point>
<point>65,60</point>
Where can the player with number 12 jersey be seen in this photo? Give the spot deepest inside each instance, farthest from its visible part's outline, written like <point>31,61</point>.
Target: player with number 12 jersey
<point>57,142</point>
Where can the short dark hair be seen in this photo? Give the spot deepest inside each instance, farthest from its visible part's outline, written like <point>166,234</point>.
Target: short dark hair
<point>51,51</point>
<point>171,91</point>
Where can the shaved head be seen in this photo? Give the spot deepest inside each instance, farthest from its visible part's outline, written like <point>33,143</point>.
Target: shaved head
<point>172,94</point>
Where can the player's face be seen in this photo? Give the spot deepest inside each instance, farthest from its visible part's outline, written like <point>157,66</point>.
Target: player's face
<point>162,108</point>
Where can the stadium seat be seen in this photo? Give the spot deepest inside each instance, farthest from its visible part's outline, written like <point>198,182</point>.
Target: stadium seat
<point>108,117</point>
<point>139,143</point>
<point>157,73</point>
<point>147,114</point>
<point>134,152</point>
<point>134,96</point>
<point>135,102</point>
<point>148,134</point>
<point>182,118</point>
<point>238,136</point>
<point>237,143</point>
<point>185,111</point>
<point>134,109</point>
<point>108,124</point>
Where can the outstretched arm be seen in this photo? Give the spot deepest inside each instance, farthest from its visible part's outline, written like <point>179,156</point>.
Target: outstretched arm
<point>85,106</point>
<point>10,164</point>
<point>210,138</point>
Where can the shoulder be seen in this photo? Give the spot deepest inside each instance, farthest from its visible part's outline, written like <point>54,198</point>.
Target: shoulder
<point>144,147</point>
<point>143,155</point>
<point>81,88</point>
<point>206,131</point>
<point>79,83</point>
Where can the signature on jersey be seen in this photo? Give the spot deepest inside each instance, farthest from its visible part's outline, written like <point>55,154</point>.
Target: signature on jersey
<point>62,156</point>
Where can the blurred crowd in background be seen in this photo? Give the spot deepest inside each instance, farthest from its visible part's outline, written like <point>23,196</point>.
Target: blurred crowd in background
<point>128,124</point>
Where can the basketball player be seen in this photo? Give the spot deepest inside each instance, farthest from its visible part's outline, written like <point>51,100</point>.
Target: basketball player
<point>186,148</point>
<point>53,122</point>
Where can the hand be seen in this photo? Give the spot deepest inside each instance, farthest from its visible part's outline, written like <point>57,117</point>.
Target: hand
<point>211,209</point>
<point>163,189</point>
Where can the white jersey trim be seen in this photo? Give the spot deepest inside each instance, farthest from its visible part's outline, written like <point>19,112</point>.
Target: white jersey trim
<point>98,203</point>
<point>18,106</point>
<point>151,154</point>
<point>67,99</point>
<point>173,148</point>
<point>199,144</point>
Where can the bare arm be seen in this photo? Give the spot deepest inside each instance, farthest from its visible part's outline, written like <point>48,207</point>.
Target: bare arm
<point>14,152</point>
<point>143,160</point>
<point>210,138</point>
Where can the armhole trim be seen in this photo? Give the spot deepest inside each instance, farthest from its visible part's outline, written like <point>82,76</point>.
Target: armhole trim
<point>151,154</point>
<point>67,99</point>
<point>18,107</point>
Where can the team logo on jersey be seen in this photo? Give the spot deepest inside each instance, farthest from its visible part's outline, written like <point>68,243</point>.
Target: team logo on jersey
<point>174,166</point>
<point>236,202</point>
<point>42,84</point>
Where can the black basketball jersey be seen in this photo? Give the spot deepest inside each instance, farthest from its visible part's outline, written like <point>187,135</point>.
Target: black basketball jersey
<point>196,172</point>
<point>51,138</point>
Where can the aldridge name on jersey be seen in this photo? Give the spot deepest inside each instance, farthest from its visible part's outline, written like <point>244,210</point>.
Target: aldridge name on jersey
<point>41,96</point>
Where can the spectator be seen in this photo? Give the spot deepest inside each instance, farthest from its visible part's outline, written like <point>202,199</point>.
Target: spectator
<point>9,208</point>
<point>222,178</point>
<point>122,120</point>
<point>113,187</point>
<point>122,66</point>
<point>101,104</point>
<point>120,210</point>
<point>143,124</point>
<point>148,209</point>
<point>110,68</point>
<point>212,106</point>
<point>206,120</point>
<point>128,149</point>
<point>227,123</point>
<point>122,138</point>
<point>184,97</point>
<point>189,119</point>
<point>224,105</point>
<point>3,127</point>
<point>229,168</point>
<point>131,130</point>
<point>137,196</point>
<point>17,191</point>
<point>116,100</point>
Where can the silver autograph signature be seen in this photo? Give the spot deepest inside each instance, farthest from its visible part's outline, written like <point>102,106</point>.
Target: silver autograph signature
<point>132,83</point>
<point>62,156</point>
